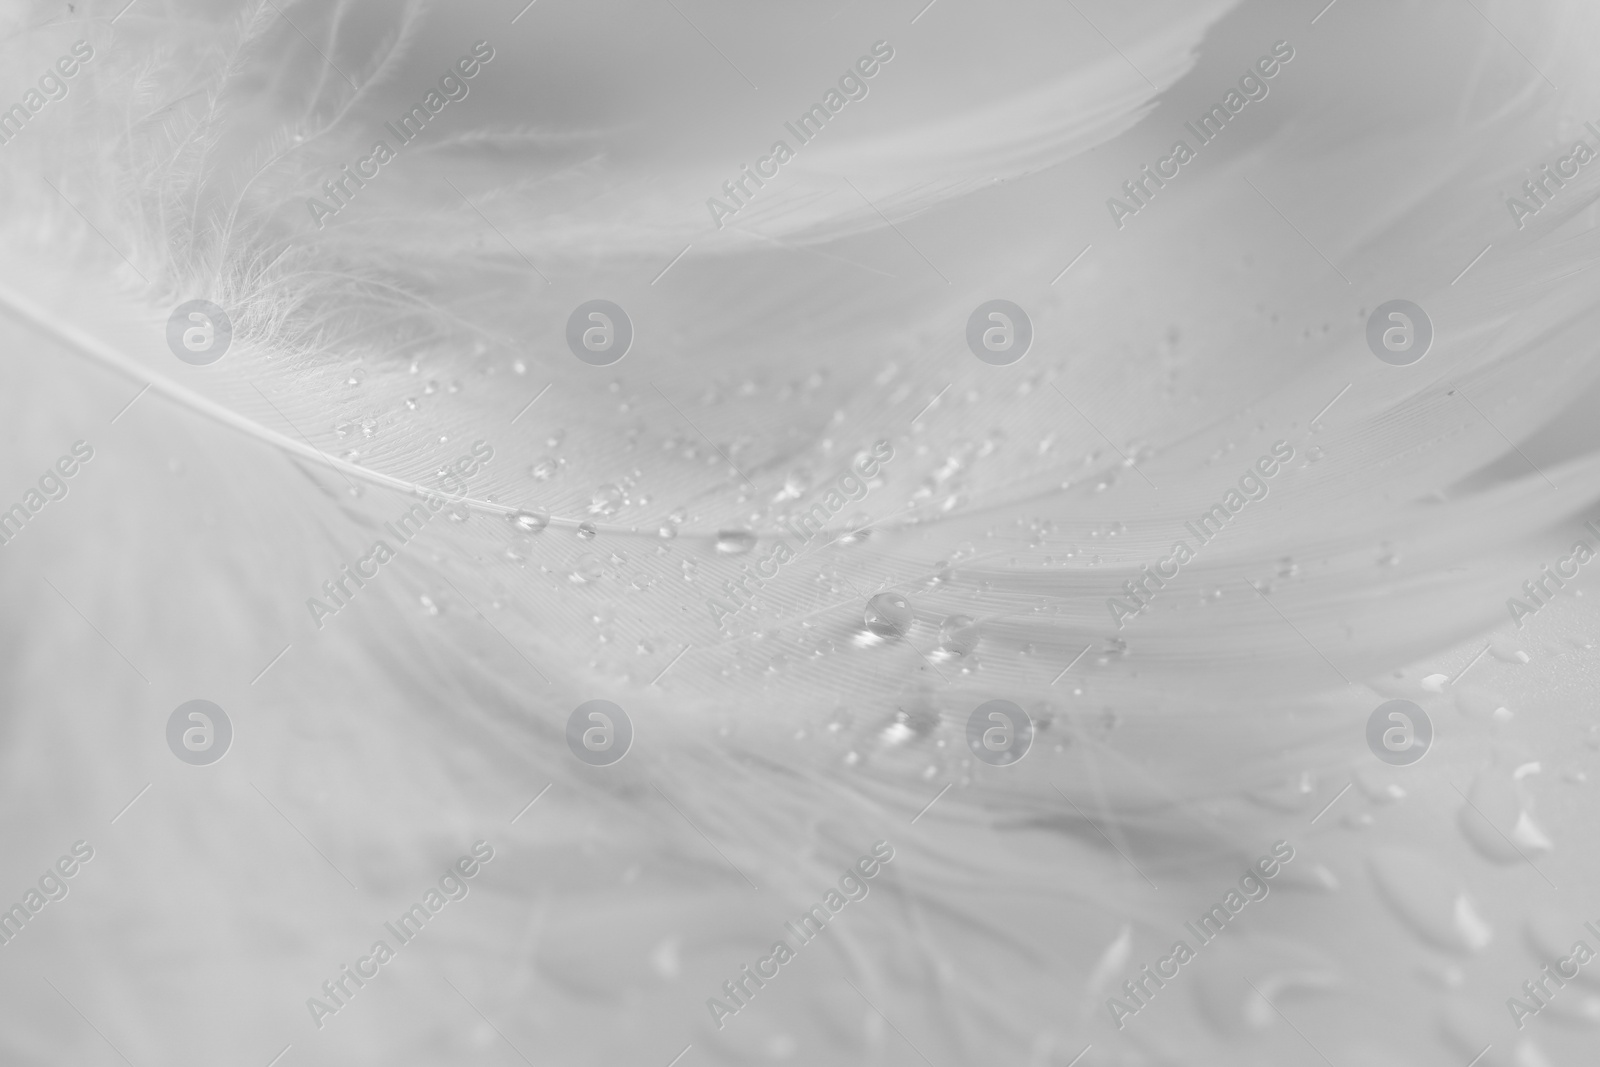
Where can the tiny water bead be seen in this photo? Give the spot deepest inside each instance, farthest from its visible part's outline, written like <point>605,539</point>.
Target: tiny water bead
<point>543,469</point>
<point>528,521</point>
<point>587,531</point>
<point>888,615</point>
<point>734,542</point>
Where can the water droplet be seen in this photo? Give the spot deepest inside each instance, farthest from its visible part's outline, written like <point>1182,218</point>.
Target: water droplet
<point>888,615</point>
<point>587,568</point>
<point>735,542</point>
<point>1245,979</point>
<point>460,513</point>
<point>1506,652</point>
<point>543,470</point>
<point>586,531</point>
<point>1476,703</point>
<point>428,605</point>
<point>667,531</point>
<point>357,376</point>
<point>1378,788</point>
<point>797,482</point>
<point>959,634</point>
<point>1498,823</point>
<point>1290,793</point>
<point>607,500</point>
<point>1113,961</point>
<point>1423,897</point>
<point>858,528</point>
<point>528,521</point>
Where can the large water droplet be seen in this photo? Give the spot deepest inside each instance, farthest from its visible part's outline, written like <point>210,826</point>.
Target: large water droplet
<point>959,634</point>
<point>528,521</point>
<point>889,615</point>
<point>735,542</point>
<point>1423,897</point>
<point>607,500</point>
<point>587,568</point>
<point>1244,979</point>
<point>1113,961</point>
<point>1497,822</point>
